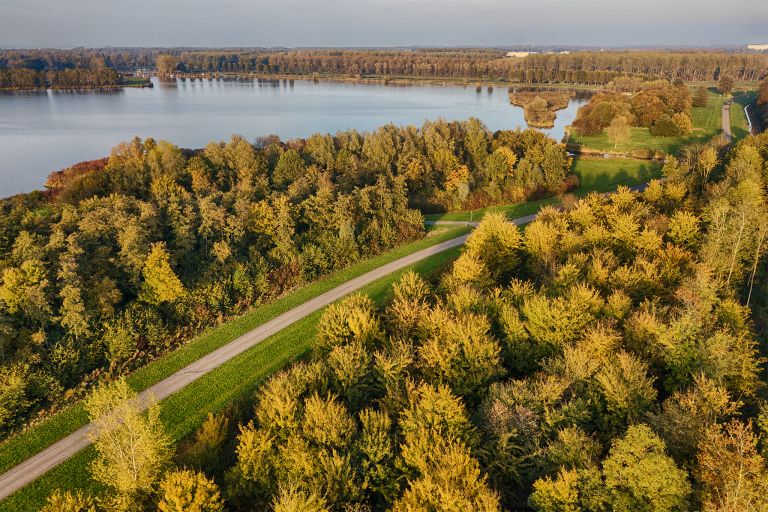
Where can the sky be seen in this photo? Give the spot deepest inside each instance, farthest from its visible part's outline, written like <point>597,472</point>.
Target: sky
<point>336,23</point>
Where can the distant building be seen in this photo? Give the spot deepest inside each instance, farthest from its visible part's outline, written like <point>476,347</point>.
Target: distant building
<point>758,47</point>
<point>525,54</point>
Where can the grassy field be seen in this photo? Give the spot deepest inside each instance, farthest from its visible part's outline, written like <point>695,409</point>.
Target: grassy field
<point>706,124</point>
<point>595,175</point>
<point>237,379</point>
<point>739,124</point>
<point>511,210</point>
<point>605,174</point>
<point>15,450</point>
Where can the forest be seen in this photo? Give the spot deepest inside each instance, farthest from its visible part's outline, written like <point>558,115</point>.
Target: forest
<point>608,357</point>
<point>578,67</point>
<point>123,259</point>
<point>662,107</point>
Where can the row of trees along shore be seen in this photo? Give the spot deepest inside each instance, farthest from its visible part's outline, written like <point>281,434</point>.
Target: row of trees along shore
<point>606,358</point>
<point>55,69</point>
<point>125,258</point>
<point>578,67</point>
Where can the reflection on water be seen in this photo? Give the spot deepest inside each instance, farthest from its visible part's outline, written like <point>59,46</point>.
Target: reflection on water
<point>45,131</point>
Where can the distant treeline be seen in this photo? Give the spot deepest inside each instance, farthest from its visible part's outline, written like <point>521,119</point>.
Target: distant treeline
<point>22,78</point>
<point>596,68</point>
<point>32,69</point>
<point>590,68</point>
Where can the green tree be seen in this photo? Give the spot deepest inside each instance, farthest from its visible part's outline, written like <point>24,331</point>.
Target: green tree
<point>641,477</point>
<point>497,243</point>
<point>451,482</point>
<point>289,167</point>
<point>293,499</point>
<point>352,319</point>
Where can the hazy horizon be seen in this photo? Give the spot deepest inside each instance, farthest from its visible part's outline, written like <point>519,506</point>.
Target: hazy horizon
<point>379,23</point>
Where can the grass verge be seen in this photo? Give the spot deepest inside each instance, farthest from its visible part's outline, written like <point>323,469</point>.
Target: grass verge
<point>17,449</point>
<point>183,412</point>
<point>739,123</point>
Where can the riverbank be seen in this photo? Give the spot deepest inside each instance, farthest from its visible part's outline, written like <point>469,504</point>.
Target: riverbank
<point>134,82</point>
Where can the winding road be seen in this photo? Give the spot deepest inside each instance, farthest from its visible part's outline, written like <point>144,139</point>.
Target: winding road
<point>37,465</point>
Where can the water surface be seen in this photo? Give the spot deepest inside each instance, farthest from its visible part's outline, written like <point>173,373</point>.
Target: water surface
<point>45,131</point>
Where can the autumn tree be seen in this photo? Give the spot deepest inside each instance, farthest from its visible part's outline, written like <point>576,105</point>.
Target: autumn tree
<point>166,64</point>
<point>618,131</point>
<point>725,84</point>
<point>160,282</point>
<point>732,472</point>
<point>188,491</point>
<point>132,449</point>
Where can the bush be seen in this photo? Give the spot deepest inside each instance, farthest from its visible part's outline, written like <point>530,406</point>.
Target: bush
<point>665,126</point>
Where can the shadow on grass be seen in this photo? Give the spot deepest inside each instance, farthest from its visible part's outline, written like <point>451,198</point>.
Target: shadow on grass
<point>605,175</point>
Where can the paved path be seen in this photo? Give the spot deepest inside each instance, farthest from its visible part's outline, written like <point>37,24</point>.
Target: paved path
<point>39,464</point>
<point>727,121</point>
<point>749,121</point>
<point>519,221</point>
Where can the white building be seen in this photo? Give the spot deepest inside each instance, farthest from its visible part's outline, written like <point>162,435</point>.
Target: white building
<point>758,47</point>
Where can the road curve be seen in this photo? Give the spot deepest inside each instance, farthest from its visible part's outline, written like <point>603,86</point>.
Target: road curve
<point>39,464</point>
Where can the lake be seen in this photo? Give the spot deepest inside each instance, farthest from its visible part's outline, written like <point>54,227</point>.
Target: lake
<point>43,131</point>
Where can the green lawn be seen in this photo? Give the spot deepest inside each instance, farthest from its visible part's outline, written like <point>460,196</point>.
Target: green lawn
<point>511,210</point>
<point>739,124</point>
<point>17,449</point>
<point>605,174</point>
<point>706,124</point>
<point>185,411</point>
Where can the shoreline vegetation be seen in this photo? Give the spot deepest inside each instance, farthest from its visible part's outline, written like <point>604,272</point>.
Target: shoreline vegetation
<point>586,69</point>
<point>540,107</point>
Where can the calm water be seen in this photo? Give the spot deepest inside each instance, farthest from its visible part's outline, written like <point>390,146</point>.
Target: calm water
<point>45,131</point>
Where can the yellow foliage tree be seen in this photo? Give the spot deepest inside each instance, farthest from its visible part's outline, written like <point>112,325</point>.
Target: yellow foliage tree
<point>160,282</point>
<point>189,491</point>
<point>133,449</point>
